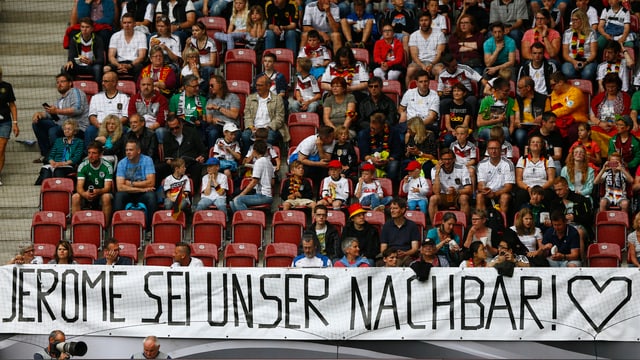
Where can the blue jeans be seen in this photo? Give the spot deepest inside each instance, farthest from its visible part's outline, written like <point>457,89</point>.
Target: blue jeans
<point>46,131</point>
<point>220,203</point>
<point>420,204</point>
<point>588,72</point>
<point>147,198</point>
<point>211,133</point>
<point>273,138</point>
<point>290,40</point>
<point>230,39</point>
<point>294,107</point>
<point>161,133</point>
<point>91,134</point>
<point>216,7</point>
<point>374,201</point>
<point>243,202</point>
<point>520,137</point>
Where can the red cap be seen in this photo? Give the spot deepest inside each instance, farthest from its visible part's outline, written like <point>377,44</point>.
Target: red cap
<point>368,167</point>
<point>413,166</point>
<point>355,209</point>
<point>335,164</point>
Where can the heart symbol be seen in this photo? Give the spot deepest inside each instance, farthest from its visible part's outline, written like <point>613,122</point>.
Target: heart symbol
<point>610,297</point>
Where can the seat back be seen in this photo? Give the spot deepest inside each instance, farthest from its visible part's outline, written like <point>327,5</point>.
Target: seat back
<point>48,227</point>
<point>158,254</point>
<point>285,62</point>
<point>611,227</point>
<point>87,227</point>
<point>338,219</point>
<point>240,64</point>
<point>375,218</point>
<point>304,118</point>
<point>215,23</point>
<point>127,86</point>
<point>55,195</point>
<point>128,226</point>
<point>604,255</point>
<point>288,226</point>
<point>45,251</point>
<point>299,132</point>
<point>361,55</point>
<point>240,255</point>
<point>208,226</point>
<point>419,218</point>
<point>84,253</point>
<point>166,229</point>
<point>248,227</point>
<point>130,251</point>
<point>206,252</point>
<point>89,87</point>
<point>393,89</point>
<point>280,254</point>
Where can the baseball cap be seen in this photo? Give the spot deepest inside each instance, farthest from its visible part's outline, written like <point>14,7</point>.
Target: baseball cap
<point>428,241</point>
<point>355,209</point>
<point>213,161</point>
<point>230,127</point>
<point>368,167</point>
<point>413,165</point>
<point>335,164</point>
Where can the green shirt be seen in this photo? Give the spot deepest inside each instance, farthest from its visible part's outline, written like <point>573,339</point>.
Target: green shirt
<point>95,176</point>
<point>191,108</point>
<point>485,110</point>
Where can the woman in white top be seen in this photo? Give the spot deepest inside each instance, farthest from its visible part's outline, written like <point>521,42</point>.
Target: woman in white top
<point>534,169</point>
<point>527,232</point>
<point>633,242</point>
<point>479,231</point>
<point>478,256</point>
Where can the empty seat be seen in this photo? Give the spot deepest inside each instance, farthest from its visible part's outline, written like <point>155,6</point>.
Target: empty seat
<point>47,227</point>
<point>206,252</point>
<point>240,255</point>
<point>338,219</point>
<point>84,253</point>
<point>45,251</point>
<point>127,226</point>
<point>209,227</point>
<point>604,255</point>
<point>280,254</point>
<point>239,64</point>
<point>611,227</point>
<point>393,89</point>
<point>248,227</point>
<point>127,86</point>
<point>375,218</point>
<point>158,254</point>
<point>130,251</point>
<point>89,87</point>
<point>55,195</point>
<point>287,226</point>
<point>166,229</point>
<point>87,227</point>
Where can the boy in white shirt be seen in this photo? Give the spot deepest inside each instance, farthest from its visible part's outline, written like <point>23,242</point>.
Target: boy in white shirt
<point>335,188</point>
<point>307,93</point>
<point>176,182</point>
<point>214,187</point>
<point>227,149</point>
<point>416,187</point>
<point>369,191</point>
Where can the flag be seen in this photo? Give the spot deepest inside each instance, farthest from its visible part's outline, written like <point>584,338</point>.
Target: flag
<point>177,209</point>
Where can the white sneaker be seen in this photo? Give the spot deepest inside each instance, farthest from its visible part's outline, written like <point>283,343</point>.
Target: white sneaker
<point>1,182</point>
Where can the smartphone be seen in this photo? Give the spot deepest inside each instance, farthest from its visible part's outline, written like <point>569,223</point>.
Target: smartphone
<point>613,164</point>
<point>45,105</point>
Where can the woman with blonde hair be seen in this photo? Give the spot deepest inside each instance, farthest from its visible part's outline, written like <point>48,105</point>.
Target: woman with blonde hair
<point>530,235</point>
<point>578,173</point>
<point>420,144</point>
<point>238,24</point>
<point>579,48</point>
<point>110,136</point>
<point>633,243</point>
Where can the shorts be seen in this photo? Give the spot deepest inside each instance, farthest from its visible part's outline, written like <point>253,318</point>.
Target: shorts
<point>5,129</point>
<point>299,202</point>
<point>92,205</point>
<point>615,197</point>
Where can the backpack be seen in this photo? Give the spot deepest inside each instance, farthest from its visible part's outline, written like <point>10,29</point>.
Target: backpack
<point>495,220</point>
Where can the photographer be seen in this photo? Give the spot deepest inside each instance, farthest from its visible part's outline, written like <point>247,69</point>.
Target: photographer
<point>59,349</point>
<point>505,254</point>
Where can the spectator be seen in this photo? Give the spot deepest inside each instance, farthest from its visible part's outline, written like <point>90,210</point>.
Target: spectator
<point>416,187</point>
<point>215,187</point>
<point>164,77</point>
<point>306,96</point>
<point>351,258</point>
<point>533,169</point>
<point>151,106</point>
<point>456,113</point>
<point>65,155</point>
<point>297,191</point>
<point>345,152</point>
<point>451,185</point>
<point>26,255</point>
<point>622,65</point>
<point>420,144</point>
<point>201,62</point>
<point>279,84</point>
<point>142,11</point>
<point>615,25</point>
<point>315,152</point>
<point>496,179</point>
<point>576,208</point>
<point>400,233</point>
<point>478,256</point>
<point>181,14</point>
<point>335,189</point>
<point>425,48</point>
<point>390,257</point>
<point>102,13</point>
<point>380,145</point>
<point>151,349</point>
<point>633,242</point>
<point>135,180</point>
<point>553,144</point>
<point>465,151</point>
<point>420,102</point>
<point>310,256</point>
<point>344,65</point>
<point>283,17</point>
<point>108,102</point>
<point>367,234</point>
<point>615,177</point>
<point>471,9</point>
<point>606,108</point>
<point>506,255</point>
<point>499,50</point>
<point>454,73</point>
<point>538,68</point>
<point>568,104</point>
<point>261,179</point>
<point>511,13</point>
<point>111,137</point>
<point>562,242</point>
<point>72,104</point>
<point>626,144</point>
<point>182,257</point>
<point>237,29</point>
<point>377,101</point>
<point>316,18</point>
<point>339,108</point>
<point>250,157</point>
<point>438,21</point>
<point>86,52</point>
<point>578,173</point>
<point>227,150</point>
<point>528,110</point>
<point>447,242</point>
<point>466,42</point>
<point>497,110</point>
<point>429,254</point>
<point>480,232</point>
<point>264,109</point>
<point>579,47</point>
<point>63,254</point>
<point>8,117</point>
<point>369,191</point>
<point>359,28</point>
<point>127,49</point>
<point>185,143</point>
<point>388,55</point>
<point>592,148</point>
<point>403,20</point>
<point>529,234</point>
<point>223,107</point>
<point>325,235</point>
<point>146,139</point>
<point>95,183</point>
<point>111,254</point>
<point>168,43</point>
<point>177,186</point>
<point>544,34</point>
<point>318,53</point>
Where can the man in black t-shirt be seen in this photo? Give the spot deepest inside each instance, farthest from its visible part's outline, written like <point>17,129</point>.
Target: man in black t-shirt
<point>282,17</point>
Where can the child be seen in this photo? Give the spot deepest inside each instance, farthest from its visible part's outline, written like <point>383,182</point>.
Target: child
<point>174,182</point>
<point>497,133</point>
<point>420,144</point>
<point>626,144</point>
<point>457,112</point>
<point>359,28</point>
<point>237,25</point>
<point>345,153</point>
<point>297,190</point>
<point>416,187</point>
<point>250,159</point>
<point>335,188</point>
<point>256,26</point>
<point>592,148</point>
<point>369,191</point>
<point>438,22</point>
<point>538,209</point>
<point>227,150</point>
<point>318,54</point>
<point>615,177</point>
<point>307,94</point>
<point>214,187</point>
<point>465,151</point>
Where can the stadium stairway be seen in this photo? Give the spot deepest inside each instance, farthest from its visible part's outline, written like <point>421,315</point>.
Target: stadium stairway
<point>31,41</point>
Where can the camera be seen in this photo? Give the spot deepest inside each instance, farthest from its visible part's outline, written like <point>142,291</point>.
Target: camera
<point>71,347</point>
<point>503,253</point>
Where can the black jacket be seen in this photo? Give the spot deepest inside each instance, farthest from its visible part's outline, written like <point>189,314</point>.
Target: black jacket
<point>331,241</point>
<point>368,239</point>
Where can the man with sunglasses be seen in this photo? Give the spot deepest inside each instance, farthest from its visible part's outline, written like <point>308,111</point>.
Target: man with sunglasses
<point>183,142</point>
<point>377,101</point>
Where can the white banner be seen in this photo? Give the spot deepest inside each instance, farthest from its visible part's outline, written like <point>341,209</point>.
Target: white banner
<point>322,304</point>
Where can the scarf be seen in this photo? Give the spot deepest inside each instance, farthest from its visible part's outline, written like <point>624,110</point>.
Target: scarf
<point>385,139</point>
<point>613,67</point>
<point>576,46</point>
<point>182,103</point>
<point>347,73</point>
<point>294,185</point>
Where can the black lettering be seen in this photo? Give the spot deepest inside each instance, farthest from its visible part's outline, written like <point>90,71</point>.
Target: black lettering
<point>464,287</point>
<point>14,296</point>
<point>507,304</point>
<point>266,296</point>
<point>113,296</point>
<point>288,300</point>
<point>388,291</point>
<point>42,295</point>
<point>172,297</point>
<point>436,303</point>
<point>357,297</point>
<point>308,297</point>
<point>225,302</point>
<point>99,282</point>
<point>524,299</point>
<point>76,295</point>
<point>410,322</point>
<point>23,294</point>
<point>157,298</point>
<point>247,305</point>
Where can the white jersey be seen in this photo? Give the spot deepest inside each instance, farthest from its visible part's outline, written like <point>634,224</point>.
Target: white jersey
<point>465,153</point>
<point>221,179</point>
<point>128,51</point>
<point>421,184</point>
<point>308,147</point>
<point>534,173</point>
<point>372,188</point>
<point>458,178</point>
<point>308,86</point>
<point>101,105</point>
<point>495,177</point>
<point>419,105</point>
<point>427,48</point>
<point>338,190</point>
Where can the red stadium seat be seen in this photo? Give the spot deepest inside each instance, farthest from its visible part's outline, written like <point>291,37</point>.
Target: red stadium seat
<point>387,186</point>
<point>285,62</point>
<point>89,87</point>
<point>215,23</point>
<point>158,254</point>
<point>280,254</point>
<point>587,89</point>
<point>287,226</point>
<point>87,227</point>
<point>55,195</point>
<point>299,132</point>
<point>84,253</point>
<point>460,225</point>
<point>375,218</point>
<point>128,226</point>
<point>240,255</point>
<point>209,227</point>
<point>166,229</point>
<point>604,255</point>
<point>47,227</point>
<point>45,251</point>
<point>242,89</point>
<point>239,64</point>
<point>361,55</point>
<point>338,219</point>
<point>419,218</point>
<point>393,89</point>
<point>129,250</point>
<point>350,191</point>
<point>206,252</point>
<point>515,152</point>
<point>127,86</point>
<point>306,118</point>
<point>248,227</point>
<point>611,227</point>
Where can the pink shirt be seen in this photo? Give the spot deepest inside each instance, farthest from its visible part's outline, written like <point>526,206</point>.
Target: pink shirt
<point>530,37</point>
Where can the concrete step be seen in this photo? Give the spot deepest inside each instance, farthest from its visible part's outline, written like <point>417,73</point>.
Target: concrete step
<point>37,6</point>
<point>51,48</point>
<point>37,17</point>
<point>28,33</point>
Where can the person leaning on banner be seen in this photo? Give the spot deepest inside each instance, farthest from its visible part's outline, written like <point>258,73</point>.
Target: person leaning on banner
<point>562,241</point>
<point>310,256</point>
<point>26,255</point>
<point>151,350</point>
<point>111,255</point>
